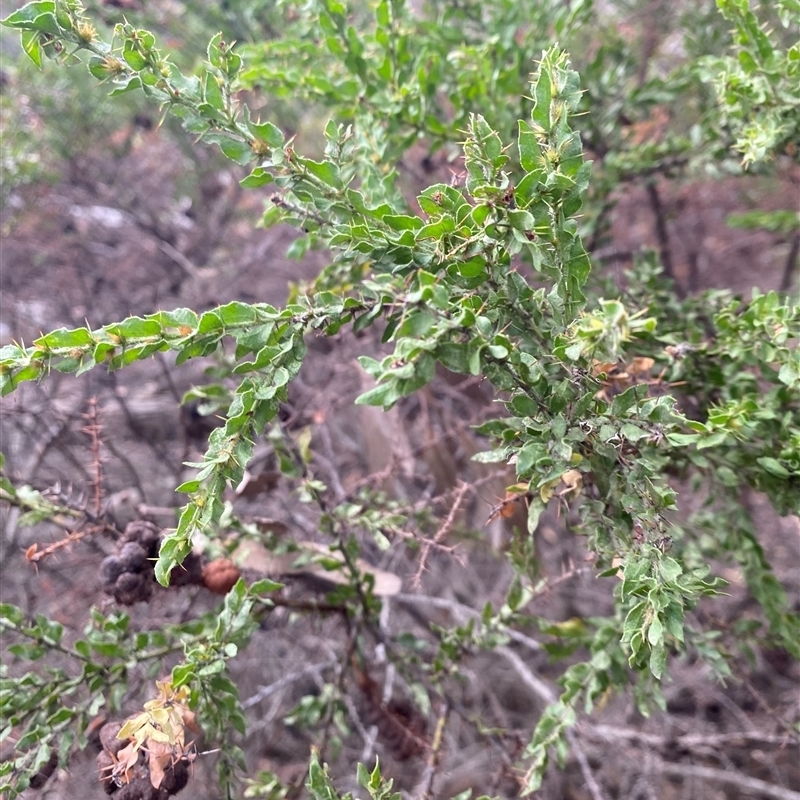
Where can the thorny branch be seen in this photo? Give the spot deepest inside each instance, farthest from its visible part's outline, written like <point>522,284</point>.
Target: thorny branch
<point>94,430</point>
<point>444,529</point>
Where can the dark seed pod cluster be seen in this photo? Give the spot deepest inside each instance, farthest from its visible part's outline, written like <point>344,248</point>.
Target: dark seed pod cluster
<point>128,575</point>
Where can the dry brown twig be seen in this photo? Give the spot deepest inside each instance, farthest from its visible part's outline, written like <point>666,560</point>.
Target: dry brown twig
<point>765,706</point>
<point>688,741</point>
<point>66,508</point>
<point>546,585</point>
<point>444,529</point>
<point>33,554</point>
<point>93,429</point>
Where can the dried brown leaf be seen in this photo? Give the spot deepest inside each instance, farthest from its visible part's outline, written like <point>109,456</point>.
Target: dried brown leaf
<point>159,758</point>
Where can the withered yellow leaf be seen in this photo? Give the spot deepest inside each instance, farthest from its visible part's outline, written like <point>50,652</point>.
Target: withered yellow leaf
<point>132,725</point>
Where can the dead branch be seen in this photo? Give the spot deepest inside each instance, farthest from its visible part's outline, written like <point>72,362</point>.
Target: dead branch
<point>690,741</point>
<point>94,431</point>
<point>287,680</point>
<point>444,529</point>
<point>461,612</point>
<point>34,555</point>
<point>742,781</point>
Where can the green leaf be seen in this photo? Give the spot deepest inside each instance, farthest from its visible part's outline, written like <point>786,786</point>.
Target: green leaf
<point>31,46</point>
<point>214,51</point>
<point>264,586</point>
<point>492,456</point>
<point>133,328</point>
<point>64,337</point>
<point>655,633</point>
<point>236,150</point>
<point>258,177</point>
<point>267,132</point>
<point>237,313</point>
<point>12,614</point>
<point>212,93</point>
<point>542,92</point>
<point>325,171</point>
<point>399,222</point>
<point>454,356</point>
<point>536,508</point>
<point>384,394</point>
<point>182,675</point>
<point>25,16</point>
<point>658,660</point>
<point>436,230</point>
<point>130,84</point>
<point>633,433</point>
<point>789,373</point>
<point>521,220</point>
<point>774,467</point>
<point>135,60</point>
<point>670,569</point>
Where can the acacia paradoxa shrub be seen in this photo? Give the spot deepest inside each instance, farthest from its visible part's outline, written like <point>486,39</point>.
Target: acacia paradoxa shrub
<point>490,278</point>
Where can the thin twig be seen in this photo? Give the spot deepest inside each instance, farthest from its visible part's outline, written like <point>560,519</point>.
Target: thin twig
<point>425,541</point>
<point>312,606</point>
<point>374,478</point>
<point>344,666</point>
<point>94,430</point>
<point>136,428</point>
<point>689,740</point>
<point>444,529</point>
<point>767,708</point>
<point>329,461</point>
<point>791,264</point>
<point>369,736</point>
<point>128,464</point>
<point>301,212</point>
<point>665,252</point>
<point>547,585</point>
<point>287,680</point>
<point>179,258</point>
<point>33,554</point>
<point>535,684</point>
<point>423,790</point>
<point>741,781</point>
<point>460,610</point>
<point>583,763</point>
<point>54,432</point>
<point>145,510</point>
